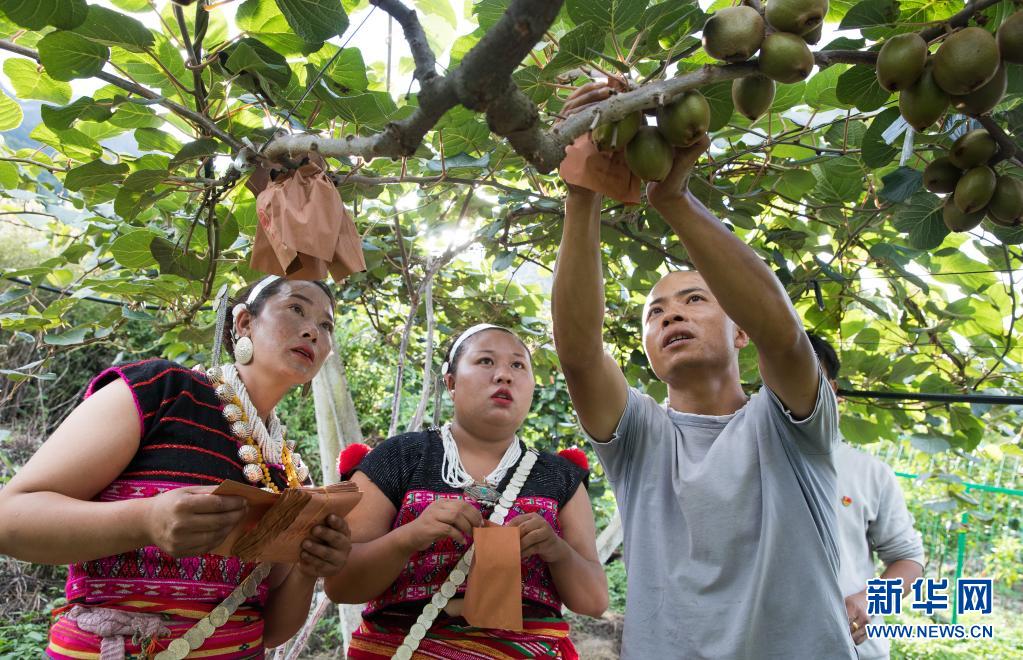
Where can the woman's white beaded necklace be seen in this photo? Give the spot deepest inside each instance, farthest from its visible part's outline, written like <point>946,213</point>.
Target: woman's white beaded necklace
<point>455,474</point>
<point>270,441</point>
<point>460,572</point>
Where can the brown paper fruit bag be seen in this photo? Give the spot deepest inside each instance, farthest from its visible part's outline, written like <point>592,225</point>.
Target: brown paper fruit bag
<point>493,595</point>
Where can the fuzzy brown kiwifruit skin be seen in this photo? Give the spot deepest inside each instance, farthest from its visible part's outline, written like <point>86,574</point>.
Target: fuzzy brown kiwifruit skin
<point>1010,38</point>
<point>649,155</point>
<point>901,61</point>
<point>785,58</point>
<point>972,149</point>
<point>684,120</point>
<point>941,176</point>
<point>924,102</point>
<point>984,99</point>
<point>796,16</point>
<point>733,34</point>
<point>1006,205</point>
<point>753,95</point>
<point>966,60</point>
<point>975,189</point>
<point>956,220</point>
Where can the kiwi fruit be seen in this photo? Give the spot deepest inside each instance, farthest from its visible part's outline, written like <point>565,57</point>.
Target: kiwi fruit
<point>966,60</point>
<point>984,99</point>
<point>975,189</point>
<point>796,16</point>
<point>972,149</point>
<point>753,95</point>
<point>733,34</point>
<point>941,176</point>
<point>649,155</point>
<point>1010,38</point>
<point>956,220</point>
<point>613,136</point>
<point>923,102</point>
<point>785,57</point>
<point>685,119</point>
<point>901,61</point>
<point>1006,205</point>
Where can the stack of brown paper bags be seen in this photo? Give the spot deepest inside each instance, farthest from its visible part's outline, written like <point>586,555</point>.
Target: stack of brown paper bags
<point>276,524</point>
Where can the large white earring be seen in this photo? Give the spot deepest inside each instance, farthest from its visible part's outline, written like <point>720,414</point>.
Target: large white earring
<point>243,351</point>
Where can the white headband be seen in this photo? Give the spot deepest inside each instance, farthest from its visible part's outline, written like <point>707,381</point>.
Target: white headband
<point>480,327</point>
<point>256,290</point>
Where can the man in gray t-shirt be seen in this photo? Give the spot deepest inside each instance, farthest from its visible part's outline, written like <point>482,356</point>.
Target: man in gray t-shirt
<point>726,500</point>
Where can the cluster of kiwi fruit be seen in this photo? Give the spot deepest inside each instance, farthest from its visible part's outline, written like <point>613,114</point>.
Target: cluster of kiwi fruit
<point>649,151</point>
<point>735,34</point>
<point>975,189</point>
<point>968,71</point>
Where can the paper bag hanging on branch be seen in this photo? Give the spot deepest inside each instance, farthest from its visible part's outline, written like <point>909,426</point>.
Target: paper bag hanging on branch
<point>604,172</point>
<point>304,231</point>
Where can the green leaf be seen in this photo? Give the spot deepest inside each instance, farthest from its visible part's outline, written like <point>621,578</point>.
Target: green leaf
<point>135,6</point>
<point>10,113</point>
<point>719,97</point>
<point>83,109</point>
<point>930,444</point>
<point>142,180</point>
<point>858,87</point>
<point>920,218</point>
<point>821,89</point>
<point>93,174</point>
<point>876,152</point>
<point>795,183</point>
<point>252,56</point>
<point>315,20</point>
<point>193,151</point>
<point>264,20</point>
<point>151,139</point>
<point>840,179</point>
<point>901,184</point>
<point>870,13</point>
<point>110,28</point>
<point>439,8</point>
<point>133,115</point>
<point>69,338</point>
<point>348,71</point>
<point>175,262</point>
<point>614,16</point>
<point>72,143</point>
<point>787,96</point>
<point>67,55</point>
<point>30,82</point>
<point>131,250</point>
<point>37,14</point>
<point>1008,235</point>
<point>459,161</point>
<point>574,48</point>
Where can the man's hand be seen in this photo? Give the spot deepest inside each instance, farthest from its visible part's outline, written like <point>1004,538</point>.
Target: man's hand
<point>674,187</point>
<point>856,613</point>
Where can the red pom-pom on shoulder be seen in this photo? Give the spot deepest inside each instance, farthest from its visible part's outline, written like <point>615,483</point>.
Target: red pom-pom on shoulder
<point>350,458</point>
<point>577,456</point>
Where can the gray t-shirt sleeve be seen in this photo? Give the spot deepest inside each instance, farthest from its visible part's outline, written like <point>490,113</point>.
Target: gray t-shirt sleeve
<point>619,452</point>
<point>891,534</point>
<point>818,433</point>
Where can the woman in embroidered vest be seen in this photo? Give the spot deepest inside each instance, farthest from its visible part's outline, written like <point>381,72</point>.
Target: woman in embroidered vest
<point>423,493</point>
<point>122,492</point>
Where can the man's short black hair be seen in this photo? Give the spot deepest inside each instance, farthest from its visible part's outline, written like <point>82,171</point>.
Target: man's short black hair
<point>826,354</point>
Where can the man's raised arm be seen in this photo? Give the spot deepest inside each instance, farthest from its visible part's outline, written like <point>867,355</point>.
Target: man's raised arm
<point>743,285</point>
<point>595,381</point>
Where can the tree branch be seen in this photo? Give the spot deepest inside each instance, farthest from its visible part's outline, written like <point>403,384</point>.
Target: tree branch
<point>422,54</point>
